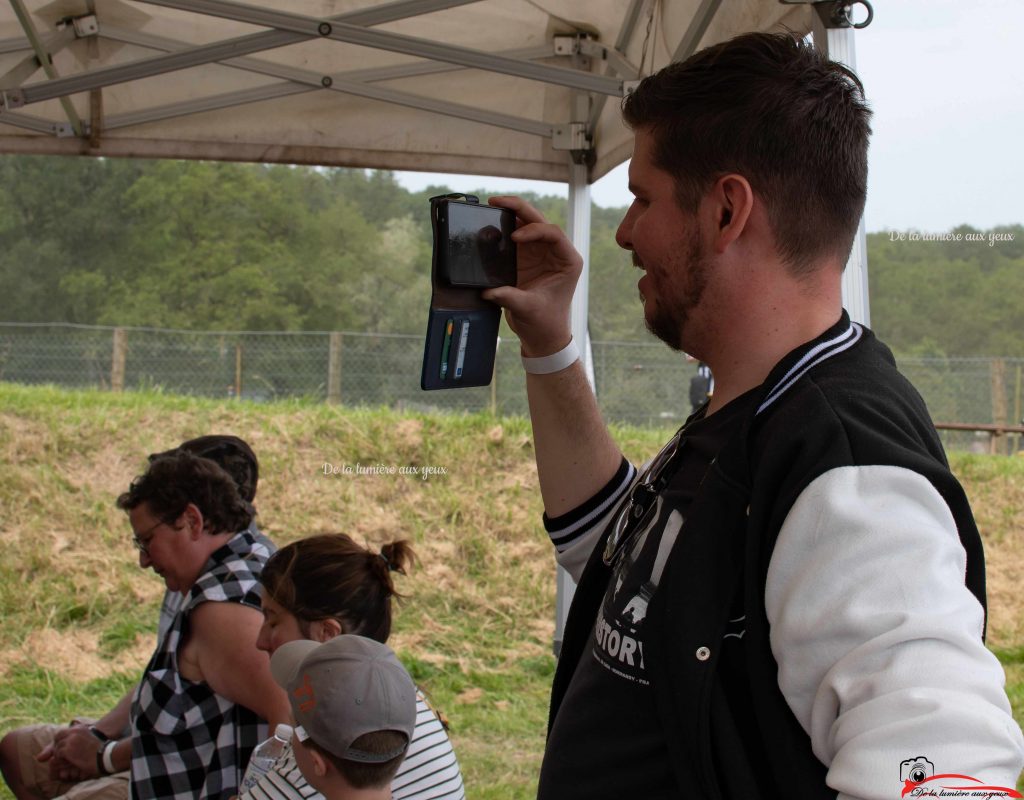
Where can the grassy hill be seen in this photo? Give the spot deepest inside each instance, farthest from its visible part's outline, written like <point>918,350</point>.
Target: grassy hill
<point>476,627</point>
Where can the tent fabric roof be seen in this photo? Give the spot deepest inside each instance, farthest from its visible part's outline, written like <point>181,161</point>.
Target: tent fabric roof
<point>497,87</point>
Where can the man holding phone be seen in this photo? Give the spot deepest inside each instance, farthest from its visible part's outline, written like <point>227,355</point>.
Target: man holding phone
<point>788,601</point>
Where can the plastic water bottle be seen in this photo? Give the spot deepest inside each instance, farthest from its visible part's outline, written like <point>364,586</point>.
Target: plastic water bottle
<point>265,756</point>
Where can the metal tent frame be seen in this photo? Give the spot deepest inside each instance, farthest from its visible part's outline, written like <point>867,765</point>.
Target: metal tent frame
<point>495,87</point>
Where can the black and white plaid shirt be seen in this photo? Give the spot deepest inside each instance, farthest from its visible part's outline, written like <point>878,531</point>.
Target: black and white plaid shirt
<point>188,742</point>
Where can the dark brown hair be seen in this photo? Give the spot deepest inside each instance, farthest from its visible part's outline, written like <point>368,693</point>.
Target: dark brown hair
<point>179,478</point>
<point>364,775</point>
<point>775,110</point>
<point>330,576</point>
<point>229,452</point>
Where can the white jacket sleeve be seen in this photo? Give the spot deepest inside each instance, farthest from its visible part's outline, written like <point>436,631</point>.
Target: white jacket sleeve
<point>878,640</point>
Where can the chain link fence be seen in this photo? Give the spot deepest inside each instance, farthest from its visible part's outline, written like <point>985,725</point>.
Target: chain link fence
<point>641,383</point>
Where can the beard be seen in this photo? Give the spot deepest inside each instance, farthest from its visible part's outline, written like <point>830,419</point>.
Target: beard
<point>671,312</point>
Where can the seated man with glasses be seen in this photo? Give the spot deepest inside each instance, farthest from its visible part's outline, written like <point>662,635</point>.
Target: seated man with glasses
<point>193,723</point>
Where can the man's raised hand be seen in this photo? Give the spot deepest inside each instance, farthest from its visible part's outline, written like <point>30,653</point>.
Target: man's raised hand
<point>537,307</point>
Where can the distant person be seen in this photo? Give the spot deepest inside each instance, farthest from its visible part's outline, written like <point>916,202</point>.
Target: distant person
<point>702,386</point>
<point>354,707</point>
<point>325,586</point>
<point>45,761</point>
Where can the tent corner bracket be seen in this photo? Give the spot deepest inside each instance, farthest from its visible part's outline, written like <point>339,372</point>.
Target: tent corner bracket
<point>575,138</point>
<point>571,136</point>
<point>11,99</point>
<point>571,44</point>
<point>84,26</point>
<point>65,130</point>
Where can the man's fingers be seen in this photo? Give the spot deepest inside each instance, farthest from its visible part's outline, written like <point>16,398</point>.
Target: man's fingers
<point>538,232</point>
<point>504,296</point>
<point>550,235</point>
<point>523,210</point>
<point>517,304</point>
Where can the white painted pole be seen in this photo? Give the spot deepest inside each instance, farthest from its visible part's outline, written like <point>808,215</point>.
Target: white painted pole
<point>838,44</point>
<point>578,229</point>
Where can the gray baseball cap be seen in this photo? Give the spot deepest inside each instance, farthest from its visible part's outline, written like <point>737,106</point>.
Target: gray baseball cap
<point>344,688</point>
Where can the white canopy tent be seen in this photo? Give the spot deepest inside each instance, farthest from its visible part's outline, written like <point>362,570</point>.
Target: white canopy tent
<point>515,88</point>
<point>482,86</point>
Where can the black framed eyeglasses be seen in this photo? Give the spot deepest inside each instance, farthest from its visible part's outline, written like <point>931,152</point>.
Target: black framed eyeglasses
<point>142,540</point>
<point>642,497</point>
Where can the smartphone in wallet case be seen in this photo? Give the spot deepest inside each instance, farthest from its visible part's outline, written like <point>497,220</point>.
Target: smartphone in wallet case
<point>473,251</point>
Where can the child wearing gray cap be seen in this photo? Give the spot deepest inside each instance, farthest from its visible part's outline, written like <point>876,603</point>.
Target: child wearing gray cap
<point>354,707</point>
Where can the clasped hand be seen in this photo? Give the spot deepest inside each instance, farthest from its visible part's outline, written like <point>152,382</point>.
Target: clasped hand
<point>72,754</point>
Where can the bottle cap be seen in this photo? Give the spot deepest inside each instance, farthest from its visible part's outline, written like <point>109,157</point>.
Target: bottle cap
<point>284,732</point>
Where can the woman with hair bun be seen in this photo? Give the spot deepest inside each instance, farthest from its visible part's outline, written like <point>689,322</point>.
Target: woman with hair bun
<point>325,586</point>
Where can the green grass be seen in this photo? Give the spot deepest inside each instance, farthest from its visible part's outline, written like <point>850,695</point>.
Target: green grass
<point>477,623</point>
<point>34,694</point>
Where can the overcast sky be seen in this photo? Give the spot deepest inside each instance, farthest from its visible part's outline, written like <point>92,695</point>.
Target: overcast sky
<point>945,79</point>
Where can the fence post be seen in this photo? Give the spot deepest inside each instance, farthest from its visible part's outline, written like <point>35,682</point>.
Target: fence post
<point>334,368</point>
<point>1017,419</point>
<point>118,359</point>
<point>238,370</point>
<point>999,410</point>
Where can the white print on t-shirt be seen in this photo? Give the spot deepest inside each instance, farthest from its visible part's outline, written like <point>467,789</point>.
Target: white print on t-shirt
<point>637,607</point>
<point>618,632</point>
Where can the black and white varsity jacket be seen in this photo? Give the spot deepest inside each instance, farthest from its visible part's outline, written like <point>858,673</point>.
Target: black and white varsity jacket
<point>831,526</point>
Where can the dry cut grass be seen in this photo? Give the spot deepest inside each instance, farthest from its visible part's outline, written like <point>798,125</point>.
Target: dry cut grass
<point>476,629</point>
<point>995,485</point>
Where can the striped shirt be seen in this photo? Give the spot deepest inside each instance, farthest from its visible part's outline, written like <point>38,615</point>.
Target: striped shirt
<point>430,770</point>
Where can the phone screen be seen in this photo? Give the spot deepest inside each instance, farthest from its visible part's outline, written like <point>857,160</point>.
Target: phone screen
<point>480,248</point>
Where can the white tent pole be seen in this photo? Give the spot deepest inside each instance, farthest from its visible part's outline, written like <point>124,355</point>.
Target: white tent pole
<point>838,44</point>
<point>579,233</point>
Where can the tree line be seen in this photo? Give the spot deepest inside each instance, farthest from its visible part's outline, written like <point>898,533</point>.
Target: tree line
<point>223,246</point>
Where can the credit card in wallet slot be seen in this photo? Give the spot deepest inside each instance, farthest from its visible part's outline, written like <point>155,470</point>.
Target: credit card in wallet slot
<point>460,359</point>
<point>446,347</point>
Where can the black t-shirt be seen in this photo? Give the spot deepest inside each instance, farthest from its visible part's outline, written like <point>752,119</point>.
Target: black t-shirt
<point>606,741</point>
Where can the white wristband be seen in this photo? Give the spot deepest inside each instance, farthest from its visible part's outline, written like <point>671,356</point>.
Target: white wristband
<point>555,362</point>
<point>108,756</point>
